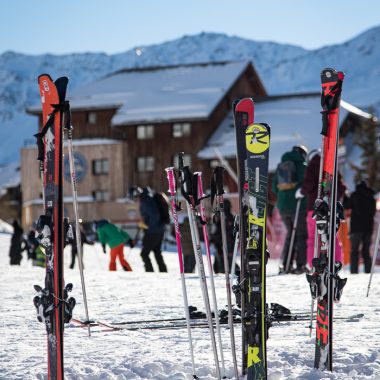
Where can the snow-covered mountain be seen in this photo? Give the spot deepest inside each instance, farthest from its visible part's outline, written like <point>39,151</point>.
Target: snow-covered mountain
<point>283,69</point>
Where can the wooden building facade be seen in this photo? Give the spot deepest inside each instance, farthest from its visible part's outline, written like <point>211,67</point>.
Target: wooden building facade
<point>136,150</point>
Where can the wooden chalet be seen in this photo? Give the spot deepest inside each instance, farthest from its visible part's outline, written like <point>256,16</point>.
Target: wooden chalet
<point>130,125</point>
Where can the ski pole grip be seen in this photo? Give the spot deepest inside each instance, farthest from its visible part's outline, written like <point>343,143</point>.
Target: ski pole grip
<point>171,180</point>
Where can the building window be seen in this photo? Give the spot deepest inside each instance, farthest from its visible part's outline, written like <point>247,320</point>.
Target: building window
<point>181,129</point>
<point>145,132</point>
<point>186,160</point>
<point>91,117</point>
<point>100,167</point>
<point>101,195</point>
<point>145,164</point>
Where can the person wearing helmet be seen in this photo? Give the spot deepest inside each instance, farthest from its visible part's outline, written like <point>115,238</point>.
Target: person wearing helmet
<point>287,179</point>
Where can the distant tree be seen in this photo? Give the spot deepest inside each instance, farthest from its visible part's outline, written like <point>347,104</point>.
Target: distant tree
<point>367,138</point>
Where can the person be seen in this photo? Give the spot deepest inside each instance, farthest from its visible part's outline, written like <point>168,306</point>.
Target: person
<point>309,189</point>
<point>363,209</point>
<point>216,238</point>
<point>18,244</point>
<point>287,179</point>
<point>115,237</point>
<point>73,243</point>
<point>154,228</point>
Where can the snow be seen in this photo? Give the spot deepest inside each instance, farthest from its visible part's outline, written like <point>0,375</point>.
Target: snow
<point>163,354</point>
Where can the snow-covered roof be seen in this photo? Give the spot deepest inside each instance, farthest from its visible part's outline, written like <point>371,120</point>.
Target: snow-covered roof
<point>9,176</point>
<point>159,94</point>
<point>294,119</point>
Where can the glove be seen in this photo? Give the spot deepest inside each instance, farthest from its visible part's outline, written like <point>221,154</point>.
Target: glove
<point>131,243</point>
<point>104,248</point>
<point>298,194</point>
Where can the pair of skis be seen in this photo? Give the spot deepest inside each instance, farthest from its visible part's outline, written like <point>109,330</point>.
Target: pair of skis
<point>53,304</point>
<point>325,284</point>
<point>192,191</point>
<point>252,141</point>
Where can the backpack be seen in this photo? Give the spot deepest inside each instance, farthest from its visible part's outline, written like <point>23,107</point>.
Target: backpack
<point>163,207</point>
<point>286,175</point>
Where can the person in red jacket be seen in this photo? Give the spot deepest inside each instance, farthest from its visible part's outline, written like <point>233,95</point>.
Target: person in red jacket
<point>115,237</point>
<point>310,189</point>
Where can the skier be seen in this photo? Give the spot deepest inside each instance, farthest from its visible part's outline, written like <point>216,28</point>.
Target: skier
<point>73,242</point>
<point>115,237</point>
<point>309,188</point>
<point>18,244</point>
<point>363,208</point>
<point>216,237</point>
<point>155,228</point>
<point>287,179</point>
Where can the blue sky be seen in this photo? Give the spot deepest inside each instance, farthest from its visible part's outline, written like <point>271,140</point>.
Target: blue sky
<point>111,26</point>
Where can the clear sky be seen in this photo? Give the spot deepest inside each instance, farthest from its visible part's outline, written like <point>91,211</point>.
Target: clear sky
<point>112,26</point>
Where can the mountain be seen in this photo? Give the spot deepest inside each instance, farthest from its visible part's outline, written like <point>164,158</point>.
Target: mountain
<point>283,69</point>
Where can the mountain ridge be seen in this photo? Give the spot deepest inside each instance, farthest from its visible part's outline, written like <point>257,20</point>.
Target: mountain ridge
<point>283,68</point>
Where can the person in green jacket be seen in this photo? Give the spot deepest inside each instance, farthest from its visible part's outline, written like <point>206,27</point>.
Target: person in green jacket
<point>287,179</point>
<point>115,237</point>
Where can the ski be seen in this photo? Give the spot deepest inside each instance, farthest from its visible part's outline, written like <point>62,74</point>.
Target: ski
<point>202,323</point>
<point>54,307</point>
<point>252,142</point>
<point>325,284</point>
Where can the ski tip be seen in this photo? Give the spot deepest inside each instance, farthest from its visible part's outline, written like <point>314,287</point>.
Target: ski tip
<point>44,76</point>
<point>37,288</point>
<point>331,75</point>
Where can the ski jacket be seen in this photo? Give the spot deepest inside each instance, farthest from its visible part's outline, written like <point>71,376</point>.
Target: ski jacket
<point>363,208</point>
<point>110,234</point>
<point>286,201</point>
<point>310,184</point>
<point>150,213</point>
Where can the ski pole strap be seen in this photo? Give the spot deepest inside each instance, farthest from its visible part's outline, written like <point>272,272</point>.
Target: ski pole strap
<point>217,183</point>
<point>63,107</point>
<point>189,183</point>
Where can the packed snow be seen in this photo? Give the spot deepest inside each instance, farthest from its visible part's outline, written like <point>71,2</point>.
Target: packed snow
<point>163,354</point>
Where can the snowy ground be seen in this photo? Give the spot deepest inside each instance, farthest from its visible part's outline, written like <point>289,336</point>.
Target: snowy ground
<point>163,354</point>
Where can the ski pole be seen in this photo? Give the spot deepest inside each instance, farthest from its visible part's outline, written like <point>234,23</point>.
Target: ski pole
<point>76,215</point>
<point>172,192</point>
<point>375,251</point>
<point>189,190</point>
<point>209,263</point>
<point>290,251</point>
<point>233,266</point>
<point>217,184</point>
